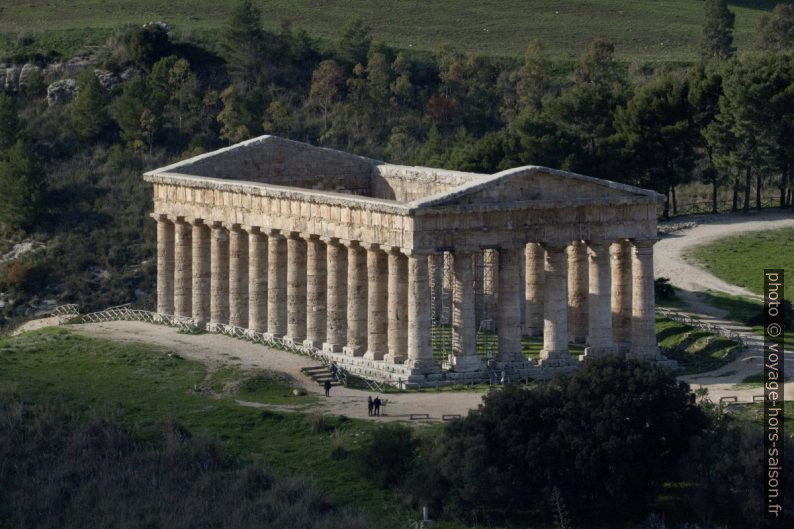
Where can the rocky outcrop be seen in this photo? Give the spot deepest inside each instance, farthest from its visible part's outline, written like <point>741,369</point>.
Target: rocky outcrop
<point>61,92</point>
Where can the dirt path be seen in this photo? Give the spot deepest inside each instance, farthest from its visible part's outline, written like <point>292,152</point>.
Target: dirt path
<point>669,252</point>
<point>216,349</point>
<point>670,261</point>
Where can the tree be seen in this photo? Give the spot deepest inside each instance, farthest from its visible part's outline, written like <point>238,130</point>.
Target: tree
<point>533,77</point>
<point>776,31</point>
<point>326,87</point>
<point>9,121</point>
<point>128,108</point>
<point>705,88</point>
<point>717,40</point>
<point>657,130</point>
<point>585,110</point>
<point>354,42</point>
<point>243,45</point>
<point>607,437</point>
<point>22,187</point>
<point>88,112</point>
<point>175,91</point>
<point>145,45</point>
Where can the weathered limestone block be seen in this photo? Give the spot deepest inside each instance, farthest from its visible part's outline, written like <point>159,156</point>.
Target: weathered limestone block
<point>165,266</point>
<point>276,284</point>
<point>238,277</point>
<point>398,308</point>
<point>257,280</point>
<point>534,258</point>
<point>201,272</point>
<point>356,300</point>
<point>316,288</point>
<point>219,286</point>
<point>577,292</point>
<point>336,329</point>
<point>377,301</point>
<point>620,257</point>
<point>61,92</point>
<point>183,263</point>
<point>599,335</point>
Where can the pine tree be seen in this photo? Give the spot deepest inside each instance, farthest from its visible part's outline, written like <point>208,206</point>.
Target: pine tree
<point>22,188</point>
<point>717,40</point>
<point>776,31</point>
<point>533,77</point>
<point>9,121</point>
<point>87,113</point>
<point>243,45</point>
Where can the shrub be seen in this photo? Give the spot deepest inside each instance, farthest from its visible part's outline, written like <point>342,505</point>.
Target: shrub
<point>663,289</point>
<point>386,459</point>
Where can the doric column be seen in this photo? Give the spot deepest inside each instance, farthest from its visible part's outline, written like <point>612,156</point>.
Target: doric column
<point>397,307</point>
<point>490,284</point>
<point>356,300</point>
<point>479,278</point>
<point>165,265</point>
<point>643,317</point>
<point>183,269</point>
<point>257,280</point>
<point>296,288</point>
<point>534,257</point>
<point>464,331</point>
<point>436,273</point>
<point>420,348</point>
<point>555,307</point>
<point>446,290</point>
<point>336,328</point>
<point>620,257</point>
<point>238,277</point>
<point>377,302</point>
<point>599,332</point>
<point>276,284</point>
<point>219,289</point>
<point>201,272</point>
<point>577,292</point>
<point>316,287</point>
<point>509,312</point>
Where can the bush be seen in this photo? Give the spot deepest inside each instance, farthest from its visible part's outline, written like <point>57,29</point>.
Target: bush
<point>663,289</point>
<point>387,458</point>
<point>605,438</point>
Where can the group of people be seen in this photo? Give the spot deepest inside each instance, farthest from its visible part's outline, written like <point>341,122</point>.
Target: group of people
<point>373,406</point>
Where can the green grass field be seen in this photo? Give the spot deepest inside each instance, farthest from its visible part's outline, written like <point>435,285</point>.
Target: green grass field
<point>647,30</point>
<point>741,259</point>
<point>695,351</point>
<point>146,386</point>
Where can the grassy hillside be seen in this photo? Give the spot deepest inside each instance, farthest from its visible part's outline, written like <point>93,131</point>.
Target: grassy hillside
<point>666,30</point>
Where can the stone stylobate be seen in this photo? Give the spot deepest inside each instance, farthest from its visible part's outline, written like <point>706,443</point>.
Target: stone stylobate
<point>372,264</point>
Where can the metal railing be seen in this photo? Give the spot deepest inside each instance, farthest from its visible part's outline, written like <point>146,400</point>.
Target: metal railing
<point>697,323</point>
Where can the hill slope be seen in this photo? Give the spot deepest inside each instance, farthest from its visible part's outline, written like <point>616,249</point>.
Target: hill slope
<point>666,30</point>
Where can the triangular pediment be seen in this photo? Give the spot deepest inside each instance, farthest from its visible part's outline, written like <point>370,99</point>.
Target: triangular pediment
<point>542,185</point>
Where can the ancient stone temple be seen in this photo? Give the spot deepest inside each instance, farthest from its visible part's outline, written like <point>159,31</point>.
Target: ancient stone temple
<point>406,273</point>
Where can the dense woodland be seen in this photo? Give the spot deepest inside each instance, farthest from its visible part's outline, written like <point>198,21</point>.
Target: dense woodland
<point>70,174</point>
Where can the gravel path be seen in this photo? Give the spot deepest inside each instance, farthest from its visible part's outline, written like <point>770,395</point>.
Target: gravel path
<point>216,349</point>
<point>670,262</point>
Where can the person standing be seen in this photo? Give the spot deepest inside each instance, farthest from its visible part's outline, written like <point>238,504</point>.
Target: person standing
<point>376,403</point>
<point>370,405</point>
<point>327,387</point>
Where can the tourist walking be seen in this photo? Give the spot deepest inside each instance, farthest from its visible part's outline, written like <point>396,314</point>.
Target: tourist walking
<point>370,405</point>
<point>376,404</point>
<point>327,387</point>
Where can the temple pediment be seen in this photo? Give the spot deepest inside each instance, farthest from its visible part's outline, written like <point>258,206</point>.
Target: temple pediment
<point>544,185</point>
